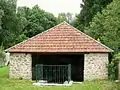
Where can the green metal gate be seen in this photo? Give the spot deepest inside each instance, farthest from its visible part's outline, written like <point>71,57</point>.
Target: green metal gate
<point>53,73</point>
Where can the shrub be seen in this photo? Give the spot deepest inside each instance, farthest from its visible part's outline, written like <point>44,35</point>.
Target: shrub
<point>113,67</point>
<point>2,56</point>
<point>112,70</point>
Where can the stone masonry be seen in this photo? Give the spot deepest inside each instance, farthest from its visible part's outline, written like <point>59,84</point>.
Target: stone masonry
<point>20,66</point>
<point>95,66</point>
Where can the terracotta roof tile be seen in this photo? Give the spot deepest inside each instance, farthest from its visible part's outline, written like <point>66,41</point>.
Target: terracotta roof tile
<point>61,38</point>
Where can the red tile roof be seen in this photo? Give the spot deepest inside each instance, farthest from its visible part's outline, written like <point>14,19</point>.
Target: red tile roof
<point>61,38</point>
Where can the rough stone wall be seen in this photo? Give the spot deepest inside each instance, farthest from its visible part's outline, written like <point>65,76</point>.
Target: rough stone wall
<point>95,66</point>
<point>20,66</point>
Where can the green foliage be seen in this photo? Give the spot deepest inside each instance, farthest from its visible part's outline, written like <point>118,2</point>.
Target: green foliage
<point>1,15</point>
<point>117,57</point>
<point>9,22</point>
<point>64,17</point>
<point>113,67</point>
<point>112,70</point>
<point>106,26</point>
<point>89,10</point>
<point>61,17</point>
<point>19,24</point>
<point>36,20</point>
<point>2,56</point>
<point>21,38</point>
<point>1,51</point>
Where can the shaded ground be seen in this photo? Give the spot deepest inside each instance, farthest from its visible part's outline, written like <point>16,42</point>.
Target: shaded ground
<point>7,84</point>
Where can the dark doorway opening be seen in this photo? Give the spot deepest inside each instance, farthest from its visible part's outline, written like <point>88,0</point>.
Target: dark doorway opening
<point>76,61</point>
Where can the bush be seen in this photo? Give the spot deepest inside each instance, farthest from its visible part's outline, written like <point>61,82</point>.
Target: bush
<point>112,70</point>
<point>2,56</point>
<point>113,67</point>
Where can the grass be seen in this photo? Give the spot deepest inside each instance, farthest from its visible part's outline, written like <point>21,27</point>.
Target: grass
<point>7,84</point>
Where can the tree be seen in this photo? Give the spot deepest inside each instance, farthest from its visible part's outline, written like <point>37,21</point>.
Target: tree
<point>10,24</point>
<point>1,15</point>
<point>8,20</point>
<point>106,26</point>
<point>37,20</point>
<point>61,17</point>
<point>65,17</point>
<point>19,24</point>
<point>89,10</point>
<point>2,57</point>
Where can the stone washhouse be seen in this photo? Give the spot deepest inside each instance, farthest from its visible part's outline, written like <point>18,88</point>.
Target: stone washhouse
<point>61,44</point>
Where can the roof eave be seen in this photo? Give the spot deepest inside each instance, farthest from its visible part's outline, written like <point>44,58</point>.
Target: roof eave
<point>61,52</point>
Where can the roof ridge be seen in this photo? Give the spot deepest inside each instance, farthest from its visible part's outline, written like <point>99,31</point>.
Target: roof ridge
<point>90,37</point>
